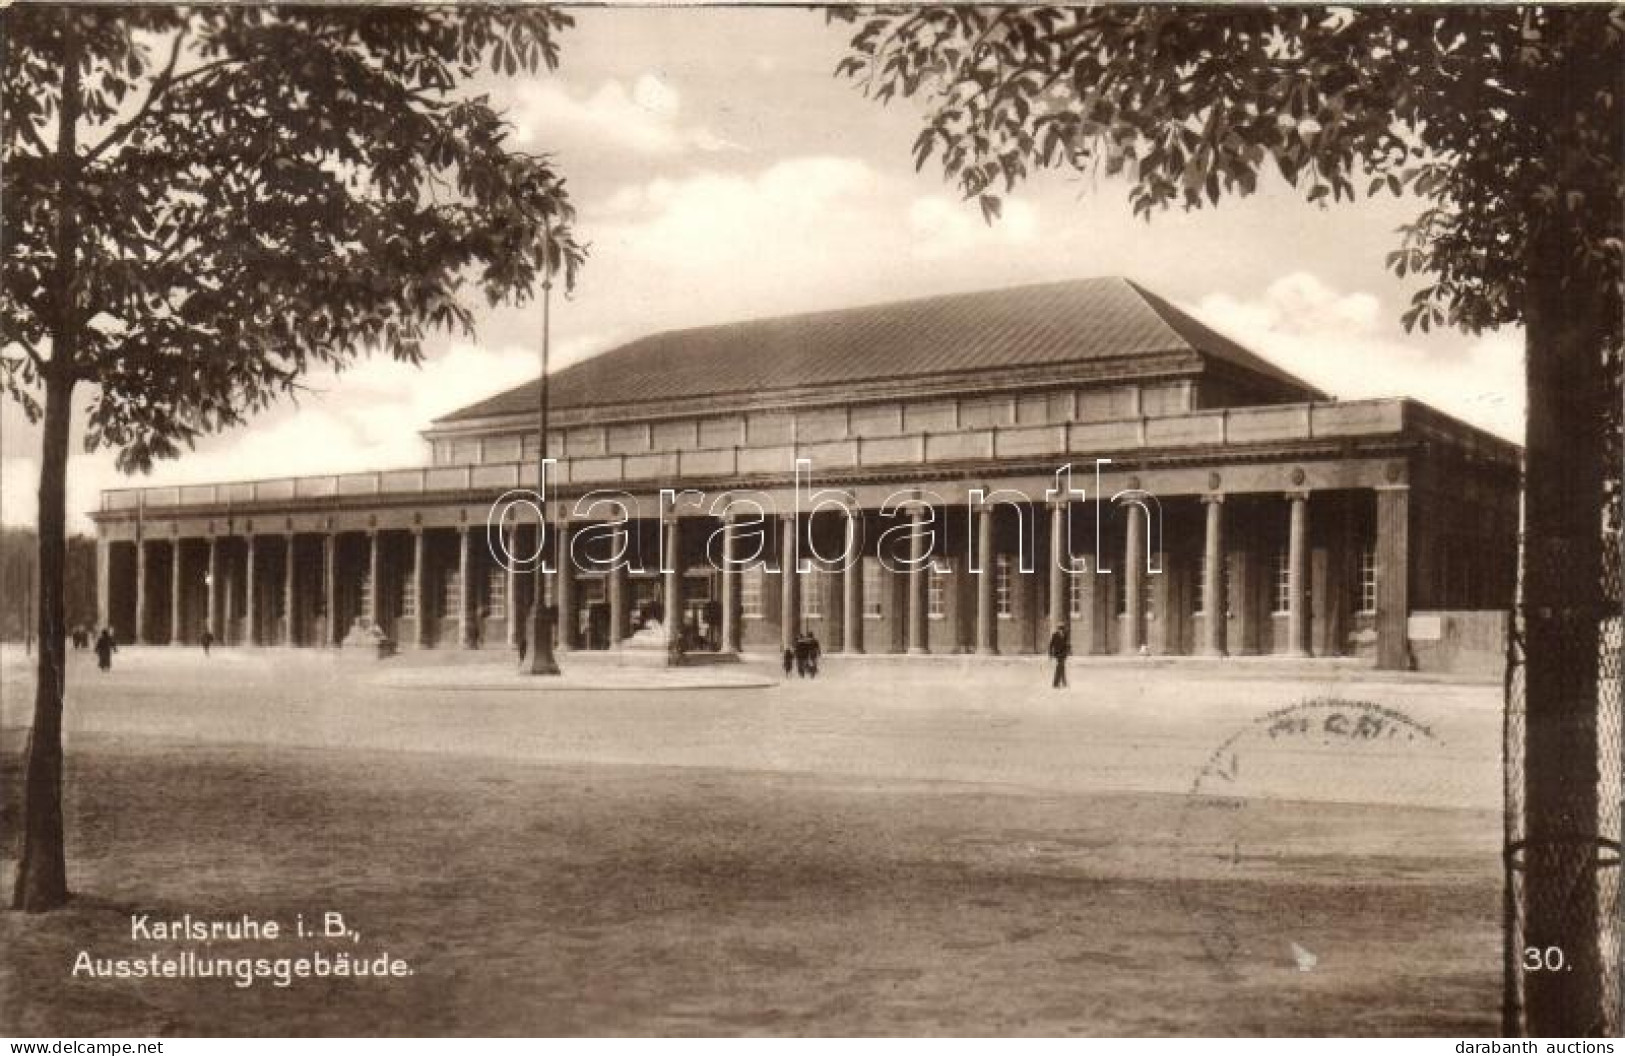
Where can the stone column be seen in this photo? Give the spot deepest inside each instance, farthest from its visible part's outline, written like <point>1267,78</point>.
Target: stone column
<point>140,591</point>
<point>852,581</point>
<point>465,590</point>
<point>330,588</point>
<point>730,586</point>
<point>987,625</point>
<point>1393,577</point>
<point>1134,557</point>
<point>177,586</point>
<point>371,615</point>
<point>511,588</point>
<point>289,601</point>
<point>420,584</point>
<point>1060,572</point>
<point>672,592</point>
<point>251,615</point>
<point>1297,559</point>
<point>564,589</point>
<point>1214,601</point>
<point>789,583</point>
<point>919,585</point>
<point>212,602</point>
<point>620,615</point>
<point>104,581</point>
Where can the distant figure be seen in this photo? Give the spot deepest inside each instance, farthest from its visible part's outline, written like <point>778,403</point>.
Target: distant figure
<point>477,632</point>
<point>789,661</point>
<point>105,648</point>
<point>1060,647</point>
<point>806,655</point>
<point>524,640</point>
<point>207,640</point>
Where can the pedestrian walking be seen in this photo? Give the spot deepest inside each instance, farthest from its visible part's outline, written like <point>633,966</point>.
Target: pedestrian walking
<point>105,648</point>
<point>815,652</point>
<point>789,661</point>
<point>207,639</point>
<point>1060,647</point>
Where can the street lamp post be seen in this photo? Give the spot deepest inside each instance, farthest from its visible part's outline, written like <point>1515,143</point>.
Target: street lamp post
<point>542,660</point>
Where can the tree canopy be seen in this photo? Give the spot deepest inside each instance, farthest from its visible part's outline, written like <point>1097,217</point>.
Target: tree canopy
<point>202,203</point>
<point>1190,104</point>
<point>249,191</point>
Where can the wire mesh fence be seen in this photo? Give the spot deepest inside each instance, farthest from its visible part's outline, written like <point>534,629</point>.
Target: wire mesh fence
<point>1563,866</point>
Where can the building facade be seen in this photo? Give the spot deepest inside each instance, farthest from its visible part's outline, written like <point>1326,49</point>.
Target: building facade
<point>1228,507</point>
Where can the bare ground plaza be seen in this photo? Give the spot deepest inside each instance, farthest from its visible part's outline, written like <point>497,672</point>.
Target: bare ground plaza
<point>1250,845</point>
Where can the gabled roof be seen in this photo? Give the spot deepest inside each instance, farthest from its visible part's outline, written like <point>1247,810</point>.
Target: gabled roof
<point>1052,324</point>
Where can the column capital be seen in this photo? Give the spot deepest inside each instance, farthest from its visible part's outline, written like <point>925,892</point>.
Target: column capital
<point>1215,498</point>
<point>1297,495</point>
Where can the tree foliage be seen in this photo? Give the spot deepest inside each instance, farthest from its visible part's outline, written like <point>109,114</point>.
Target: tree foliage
<point>1193,103</point>
<point>200,204</point>
<point>256,190</point>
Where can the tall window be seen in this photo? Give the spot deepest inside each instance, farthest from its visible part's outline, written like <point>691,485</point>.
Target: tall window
<point>1283,581</point>
<point>1077,592</point>
<point>1003,601</point>
<point>750,593</point>
<point>496,593</point>
<point>812,595</point>
<point>936,593</point>
<point>452,600</point>
<point>409,597</point>
<point>1368,578</point>
<point>873,582</point>
<point>1148,595</point>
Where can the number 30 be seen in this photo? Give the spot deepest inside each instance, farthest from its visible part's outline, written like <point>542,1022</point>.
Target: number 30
<point>1543,958</point>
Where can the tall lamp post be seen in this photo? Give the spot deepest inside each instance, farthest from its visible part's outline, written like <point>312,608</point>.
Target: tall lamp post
<point>542,661</point>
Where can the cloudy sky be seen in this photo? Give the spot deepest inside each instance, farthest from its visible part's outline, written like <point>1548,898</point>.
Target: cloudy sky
<point>722,172</point>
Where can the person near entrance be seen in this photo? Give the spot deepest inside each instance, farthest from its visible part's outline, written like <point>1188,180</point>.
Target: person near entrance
<point>1060,647</point>
<point>105,648</point>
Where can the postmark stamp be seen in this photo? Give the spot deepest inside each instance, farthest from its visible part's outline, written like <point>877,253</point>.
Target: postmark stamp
<point>1291,812</point>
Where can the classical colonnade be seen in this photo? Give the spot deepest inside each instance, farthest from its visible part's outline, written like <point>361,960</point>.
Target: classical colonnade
<point>429,586</point>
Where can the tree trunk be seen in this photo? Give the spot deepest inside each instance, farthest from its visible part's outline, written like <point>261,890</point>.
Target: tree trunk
<point>1563,610</point>
<point>42,876</point>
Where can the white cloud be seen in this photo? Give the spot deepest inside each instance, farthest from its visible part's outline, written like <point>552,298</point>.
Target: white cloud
<point>367,417</point>
<point>725,220</point>
<point>645,118</point>
<point>808,232</point>
<point>942,227</point>
<point>1345,344</point>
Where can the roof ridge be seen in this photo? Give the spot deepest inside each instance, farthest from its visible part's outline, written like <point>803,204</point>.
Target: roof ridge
<point>1230,349</point>
<point>906,302</point>
<point>1049,324</point>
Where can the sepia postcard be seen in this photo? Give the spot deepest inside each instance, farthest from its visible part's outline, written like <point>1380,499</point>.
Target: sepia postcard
<point>924,521</point>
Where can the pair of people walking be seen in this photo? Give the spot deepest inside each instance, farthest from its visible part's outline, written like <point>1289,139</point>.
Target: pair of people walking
<point>803,656</point>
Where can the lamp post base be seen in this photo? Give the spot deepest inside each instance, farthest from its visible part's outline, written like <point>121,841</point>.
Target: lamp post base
<point>542,661</point>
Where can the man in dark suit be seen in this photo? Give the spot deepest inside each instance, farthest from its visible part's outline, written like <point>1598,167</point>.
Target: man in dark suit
<point>1060,647</point>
